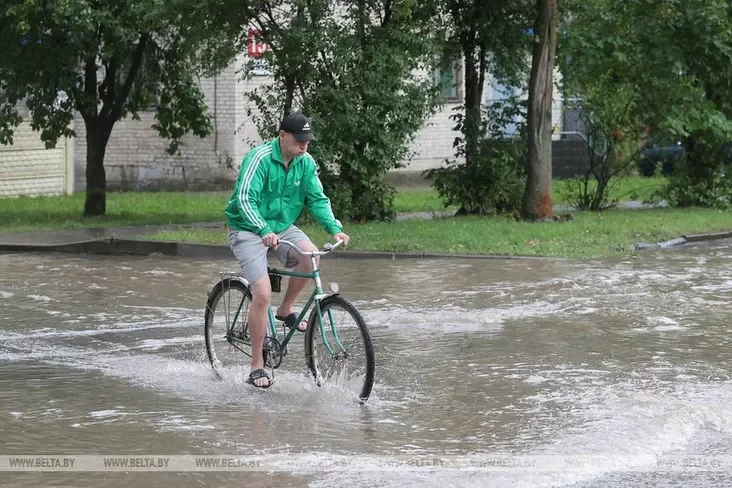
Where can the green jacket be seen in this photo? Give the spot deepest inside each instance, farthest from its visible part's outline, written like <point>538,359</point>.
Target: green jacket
<point>268,197</point>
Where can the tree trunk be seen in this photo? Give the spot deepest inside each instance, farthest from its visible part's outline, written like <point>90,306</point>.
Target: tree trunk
<point>99,123</point>
<point>537,201</point>
<point>96,178</point>
<point>473,91</point>
<point>289,94</point>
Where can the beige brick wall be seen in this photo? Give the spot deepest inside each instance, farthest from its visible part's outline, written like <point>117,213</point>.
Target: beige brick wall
<point>136,157</point>
<point>433,143</point>
<point>28,168</point>
<point>247,135</point>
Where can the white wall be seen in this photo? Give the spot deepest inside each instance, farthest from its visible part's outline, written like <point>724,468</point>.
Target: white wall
<point>136,157</point>
<point>433,143</point>
<point>28,168</point>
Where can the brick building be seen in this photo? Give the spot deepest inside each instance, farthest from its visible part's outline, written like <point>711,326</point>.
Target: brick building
<point>136,158</point>
<point>28,168</point>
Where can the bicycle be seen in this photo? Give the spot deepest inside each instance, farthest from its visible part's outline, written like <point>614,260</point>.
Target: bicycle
<point>346,355</point>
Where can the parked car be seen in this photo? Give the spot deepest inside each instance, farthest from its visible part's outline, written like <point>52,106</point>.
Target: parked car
<point>668,153</point>
<point>664,153</point>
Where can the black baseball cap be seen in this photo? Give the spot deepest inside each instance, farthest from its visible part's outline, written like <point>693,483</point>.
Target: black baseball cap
<point>299,126</point>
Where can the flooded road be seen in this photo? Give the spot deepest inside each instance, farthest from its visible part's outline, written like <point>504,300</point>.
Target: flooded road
<point>524,369</point>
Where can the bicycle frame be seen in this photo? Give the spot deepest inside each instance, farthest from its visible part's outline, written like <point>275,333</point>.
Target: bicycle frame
<point>315,298</point>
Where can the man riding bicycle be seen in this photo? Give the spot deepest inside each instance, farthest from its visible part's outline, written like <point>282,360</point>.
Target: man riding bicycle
<point>275,181</point>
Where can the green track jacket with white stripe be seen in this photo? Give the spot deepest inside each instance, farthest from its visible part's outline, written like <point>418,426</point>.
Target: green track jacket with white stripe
<point>268,197</point>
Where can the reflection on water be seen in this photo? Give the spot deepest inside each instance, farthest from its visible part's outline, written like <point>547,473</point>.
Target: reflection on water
<point>629,358</point>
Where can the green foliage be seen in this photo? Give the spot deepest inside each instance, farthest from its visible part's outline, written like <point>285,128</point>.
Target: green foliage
<point>106,60</point>
<point>675,57</point>
<point>706,181</point>
<point>613,134</point>
<point>341,199</point>
<point>489,41</point>
<point>109,60</point>
<point>352,72</point>
<point>493,40</point>
<point>494,180</point>
<point>674,53</point>
<point>9,118</point>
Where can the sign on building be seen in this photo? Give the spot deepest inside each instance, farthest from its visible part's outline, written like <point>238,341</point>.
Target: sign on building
<point>255,49</point>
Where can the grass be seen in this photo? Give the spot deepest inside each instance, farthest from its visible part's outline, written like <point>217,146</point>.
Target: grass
<point>622,189</point>
<point>426,199</point>
<point>419,199</point>
<point>123,208</point>
<point>588,235</point>
<point>154,208</point>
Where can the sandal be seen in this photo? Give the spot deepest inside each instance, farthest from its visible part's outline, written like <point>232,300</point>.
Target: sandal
<point>258,374</point>
<point>291,320</point>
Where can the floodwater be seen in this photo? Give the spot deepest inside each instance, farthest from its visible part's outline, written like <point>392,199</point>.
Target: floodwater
<point>495,372</point>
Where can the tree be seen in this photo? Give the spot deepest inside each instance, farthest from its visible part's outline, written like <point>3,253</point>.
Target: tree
<point>675,57</point>
<point>490,38</point>
<point>537,202</point>
<point>494,181</point>
<point>107,60</point>
<point>614,140</point>
<point>604,99</point>
<point>353,69</point>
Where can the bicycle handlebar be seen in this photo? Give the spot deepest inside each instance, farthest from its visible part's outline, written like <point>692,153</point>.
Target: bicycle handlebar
<point>328,247</point>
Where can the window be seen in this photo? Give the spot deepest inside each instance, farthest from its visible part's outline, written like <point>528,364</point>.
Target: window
<point>451,83</point>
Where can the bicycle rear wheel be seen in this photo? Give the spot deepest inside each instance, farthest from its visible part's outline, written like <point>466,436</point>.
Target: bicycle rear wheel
<point>225,329</point>
<point>350,367</point>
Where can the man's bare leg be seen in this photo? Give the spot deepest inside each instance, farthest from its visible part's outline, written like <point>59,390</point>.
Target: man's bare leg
<point>296,285</point>
<point>258,317</point>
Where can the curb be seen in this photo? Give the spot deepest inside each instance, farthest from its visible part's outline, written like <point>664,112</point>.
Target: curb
<point>708,237</point>
<point>83,247</point>
<point>134,247</point>
<point>680,241</point>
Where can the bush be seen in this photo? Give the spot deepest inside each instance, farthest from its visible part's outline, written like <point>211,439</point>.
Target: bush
<point>359,88</point>
<point>702,180</point>
<point>493,183</point>
<point>341,198</point>
<point>348,206</point>
<point>376,203</point>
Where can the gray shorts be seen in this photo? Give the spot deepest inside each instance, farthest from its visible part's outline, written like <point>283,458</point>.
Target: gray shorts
<point>252,255</point>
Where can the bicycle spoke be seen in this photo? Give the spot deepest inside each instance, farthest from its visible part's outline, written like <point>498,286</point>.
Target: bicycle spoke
<point>350,365</point>
<point>225,329</point>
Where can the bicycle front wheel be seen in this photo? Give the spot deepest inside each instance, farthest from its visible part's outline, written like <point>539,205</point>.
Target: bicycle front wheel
<point>349,364</point>
<point>225,329</point>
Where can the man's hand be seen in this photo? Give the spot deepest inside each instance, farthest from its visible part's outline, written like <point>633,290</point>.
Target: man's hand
<point>342,236</point>
<point>271,240</point>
